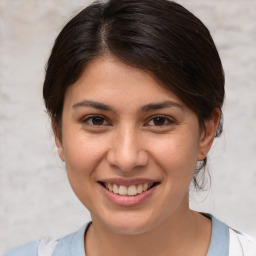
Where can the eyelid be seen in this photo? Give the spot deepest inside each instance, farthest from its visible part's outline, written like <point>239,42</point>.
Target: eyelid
<point>85,120</point>
<point>167,118</point>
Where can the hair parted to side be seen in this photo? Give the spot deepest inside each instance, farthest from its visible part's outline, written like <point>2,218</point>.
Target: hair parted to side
<point>161,37</point>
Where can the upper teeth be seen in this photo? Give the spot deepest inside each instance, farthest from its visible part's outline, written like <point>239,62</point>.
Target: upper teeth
<point>128,190</point>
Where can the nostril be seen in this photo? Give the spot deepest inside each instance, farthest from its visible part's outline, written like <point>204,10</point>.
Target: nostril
<point>127,160</point>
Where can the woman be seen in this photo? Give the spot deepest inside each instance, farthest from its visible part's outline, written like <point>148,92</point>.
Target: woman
<point>135,90</point>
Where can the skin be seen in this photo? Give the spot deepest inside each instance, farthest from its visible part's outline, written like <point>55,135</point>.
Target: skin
<point>127,141</point>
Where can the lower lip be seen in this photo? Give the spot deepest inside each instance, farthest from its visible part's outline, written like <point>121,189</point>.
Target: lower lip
<point>128,200</point>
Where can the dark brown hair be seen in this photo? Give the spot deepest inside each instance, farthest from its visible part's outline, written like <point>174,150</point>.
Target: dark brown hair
<point>160,36</point>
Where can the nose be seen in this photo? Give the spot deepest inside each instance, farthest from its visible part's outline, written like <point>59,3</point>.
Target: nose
<point>126,151</point>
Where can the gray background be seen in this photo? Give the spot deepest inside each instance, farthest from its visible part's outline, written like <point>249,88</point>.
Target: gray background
<point>35,197</point>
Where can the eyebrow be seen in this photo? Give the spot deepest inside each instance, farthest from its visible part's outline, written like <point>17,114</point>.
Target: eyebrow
<point>161,105</point>
<point>146,108</point>
<point>93,104</point>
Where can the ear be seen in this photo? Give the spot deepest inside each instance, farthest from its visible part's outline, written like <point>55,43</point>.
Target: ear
<point>58,140</point>
<point>208,135</point>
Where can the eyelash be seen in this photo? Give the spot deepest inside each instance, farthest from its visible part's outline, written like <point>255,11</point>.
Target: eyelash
<point>88,118</point>
<point>89,121</point>
<point>167,120</point>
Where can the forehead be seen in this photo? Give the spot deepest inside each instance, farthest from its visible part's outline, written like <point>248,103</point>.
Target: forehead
<point>107,79</point>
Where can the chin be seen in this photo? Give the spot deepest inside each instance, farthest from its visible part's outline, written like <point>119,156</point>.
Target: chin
<point>129,228</point>
<point>129,223</point>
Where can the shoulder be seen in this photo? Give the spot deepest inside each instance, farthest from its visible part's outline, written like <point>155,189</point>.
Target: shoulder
<point>70,245</point>
<point>29,249</point>
<point>227,241</point>
<point>242,243</point>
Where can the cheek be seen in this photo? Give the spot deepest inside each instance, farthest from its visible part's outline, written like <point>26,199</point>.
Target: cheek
<point>177,156</point>
<point>82,153</point>
<point>82,156</point>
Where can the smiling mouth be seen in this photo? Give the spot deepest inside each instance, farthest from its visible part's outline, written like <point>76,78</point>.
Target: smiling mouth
<point>131,190</point>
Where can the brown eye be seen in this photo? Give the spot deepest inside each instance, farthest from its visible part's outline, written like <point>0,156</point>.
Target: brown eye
<point>95,121</point>
<point>160,121</point>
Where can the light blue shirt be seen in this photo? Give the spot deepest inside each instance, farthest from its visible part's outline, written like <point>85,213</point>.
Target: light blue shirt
<point>73,244</point>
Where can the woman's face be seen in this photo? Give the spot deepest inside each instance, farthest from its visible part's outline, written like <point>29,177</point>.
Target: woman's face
<point>123,131</point>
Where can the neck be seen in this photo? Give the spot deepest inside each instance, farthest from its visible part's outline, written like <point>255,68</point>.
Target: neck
<point>190,229</point>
